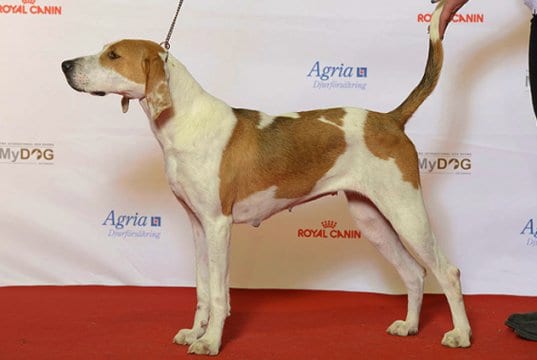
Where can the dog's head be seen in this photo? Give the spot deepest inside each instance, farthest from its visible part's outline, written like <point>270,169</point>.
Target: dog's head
<point>135,69</point>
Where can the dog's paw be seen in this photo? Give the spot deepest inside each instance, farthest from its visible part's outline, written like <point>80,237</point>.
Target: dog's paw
<point>186,337</point>
<point>457,338</point>
<point>402,328</point>
<point>204,347</point>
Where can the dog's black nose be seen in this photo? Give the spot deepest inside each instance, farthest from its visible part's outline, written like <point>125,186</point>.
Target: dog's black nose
<point>67,66</point>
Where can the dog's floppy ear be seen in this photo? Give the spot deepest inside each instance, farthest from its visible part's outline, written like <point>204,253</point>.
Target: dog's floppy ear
<point>157,91</point>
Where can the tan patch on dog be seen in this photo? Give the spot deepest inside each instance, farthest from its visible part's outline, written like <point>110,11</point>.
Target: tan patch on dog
<point>385,139</point>
<point>290,153</point>
<point>132,60</point>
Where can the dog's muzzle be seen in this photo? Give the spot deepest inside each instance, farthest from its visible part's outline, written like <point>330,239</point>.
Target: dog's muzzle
<point>68,67</point>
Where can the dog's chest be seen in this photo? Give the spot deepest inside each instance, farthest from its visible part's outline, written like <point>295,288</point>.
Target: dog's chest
<point>174,176</point>
<point>192,160</point>
<point>192,181</point>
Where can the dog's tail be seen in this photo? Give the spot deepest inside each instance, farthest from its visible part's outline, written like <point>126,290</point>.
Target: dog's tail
<point>430,78</point>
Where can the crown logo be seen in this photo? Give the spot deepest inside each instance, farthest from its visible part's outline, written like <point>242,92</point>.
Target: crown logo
<point>28,1</point>
<point>329,224</point>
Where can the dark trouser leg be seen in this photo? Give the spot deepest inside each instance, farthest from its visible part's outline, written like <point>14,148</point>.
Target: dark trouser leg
<point>533,62</point>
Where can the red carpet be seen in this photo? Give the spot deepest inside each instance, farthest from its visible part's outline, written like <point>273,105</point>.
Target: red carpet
<point>139,323</point>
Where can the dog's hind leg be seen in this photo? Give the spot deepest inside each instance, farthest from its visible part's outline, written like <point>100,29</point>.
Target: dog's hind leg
<point>201,318</point>
<point>403,207</point>
<point>380,233</point>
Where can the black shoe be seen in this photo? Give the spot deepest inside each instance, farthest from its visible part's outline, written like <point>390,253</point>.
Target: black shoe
<point>528,335</point>
<point>516,321</point>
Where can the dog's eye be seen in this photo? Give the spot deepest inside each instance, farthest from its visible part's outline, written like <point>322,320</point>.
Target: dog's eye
<point>113,56</point>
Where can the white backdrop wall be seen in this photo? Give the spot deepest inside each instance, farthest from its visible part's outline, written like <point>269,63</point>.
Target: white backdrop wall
<point>72,165</point>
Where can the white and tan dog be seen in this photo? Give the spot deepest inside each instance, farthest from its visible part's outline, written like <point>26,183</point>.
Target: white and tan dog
<point>229,165</point>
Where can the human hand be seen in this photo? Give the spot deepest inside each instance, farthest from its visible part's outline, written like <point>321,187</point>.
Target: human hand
<point>450,9</point>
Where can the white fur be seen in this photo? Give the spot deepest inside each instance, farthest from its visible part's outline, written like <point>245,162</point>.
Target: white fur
<point>435,19</point>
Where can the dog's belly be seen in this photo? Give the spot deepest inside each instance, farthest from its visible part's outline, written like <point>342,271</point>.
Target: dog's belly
<point>259,206</point>
<point>263,204</point>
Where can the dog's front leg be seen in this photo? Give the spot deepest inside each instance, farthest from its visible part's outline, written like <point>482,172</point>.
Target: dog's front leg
<point>201,319</point>
<point>217,232</point>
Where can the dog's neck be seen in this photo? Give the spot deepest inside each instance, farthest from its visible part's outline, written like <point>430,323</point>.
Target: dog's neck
<point>193,109</point>
<point>184,89</point>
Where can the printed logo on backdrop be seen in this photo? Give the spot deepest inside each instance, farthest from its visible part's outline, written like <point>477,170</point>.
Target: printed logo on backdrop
<point>132,226</point>
<point>30,7</point>
<point>529,231</point>
<point>328,230</point>
<point>22,153</point>
<point>476,18</point>
<point>340,76</point>
<point>454,163</point>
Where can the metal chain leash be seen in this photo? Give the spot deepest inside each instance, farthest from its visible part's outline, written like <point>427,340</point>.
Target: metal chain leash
<point>166,43</point>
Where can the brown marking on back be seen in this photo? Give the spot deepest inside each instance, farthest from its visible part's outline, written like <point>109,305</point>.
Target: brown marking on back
<point>134,55</point>
<point>385,139</point>
<point>290,153</point>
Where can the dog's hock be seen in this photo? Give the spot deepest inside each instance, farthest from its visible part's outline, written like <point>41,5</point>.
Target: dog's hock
<point>157,92</point>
